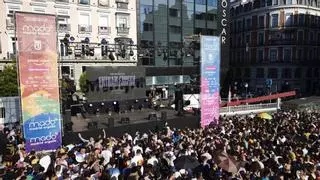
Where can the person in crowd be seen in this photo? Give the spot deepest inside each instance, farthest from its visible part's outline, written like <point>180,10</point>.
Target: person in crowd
<point>286,147</point>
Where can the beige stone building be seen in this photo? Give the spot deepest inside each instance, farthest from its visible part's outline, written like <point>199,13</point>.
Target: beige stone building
<point>88,23</point>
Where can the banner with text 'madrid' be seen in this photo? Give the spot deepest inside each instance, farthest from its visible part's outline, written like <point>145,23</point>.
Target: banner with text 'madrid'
<point>38,74</point>
<point>210,80</point>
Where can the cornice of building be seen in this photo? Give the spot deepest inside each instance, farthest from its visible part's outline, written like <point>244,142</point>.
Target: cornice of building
<point>273,8</point>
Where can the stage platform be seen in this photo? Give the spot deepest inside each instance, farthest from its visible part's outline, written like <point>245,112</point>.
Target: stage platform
<point>139,121</point>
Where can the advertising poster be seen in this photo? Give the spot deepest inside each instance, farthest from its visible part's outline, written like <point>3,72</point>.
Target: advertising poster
<point>38,77</point>
<point>210,80</point>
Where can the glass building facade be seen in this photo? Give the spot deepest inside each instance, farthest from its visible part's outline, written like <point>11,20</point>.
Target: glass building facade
<point>163,26</point>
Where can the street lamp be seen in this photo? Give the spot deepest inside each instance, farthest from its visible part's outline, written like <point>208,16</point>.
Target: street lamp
<point>246,86</point>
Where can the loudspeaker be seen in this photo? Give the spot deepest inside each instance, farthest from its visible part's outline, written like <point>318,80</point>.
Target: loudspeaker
<point>152,117</point>
<point>163,116</point>
<point>125,120</point>
<point>111,122</point>
<point>67,116</point>
<point>92,125</point>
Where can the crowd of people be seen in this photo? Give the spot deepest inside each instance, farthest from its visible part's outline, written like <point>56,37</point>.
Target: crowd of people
<point>240,147</point>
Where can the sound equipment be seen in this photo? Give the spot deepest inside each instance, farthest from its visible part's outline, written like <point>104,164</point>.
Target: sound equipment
<point>92,125</point>
<point>152,117</point>
<point>111,122</point>
<point>125,120</point>
<point>163,116</point>
<point>67,116</point>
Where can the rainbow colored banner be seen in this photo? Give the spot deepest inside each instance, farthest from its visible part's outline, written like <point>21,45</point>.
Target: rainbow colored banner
<point>210,80</point>
<point>38,74</point>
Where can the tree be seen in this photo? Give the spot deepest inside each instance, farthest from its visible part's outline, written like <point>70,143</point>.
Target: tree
<point>83,82</point>
<point>9,81</point>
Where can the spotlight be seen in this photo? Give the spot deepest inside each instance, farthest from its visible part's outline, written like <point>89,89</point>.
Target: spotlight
<point>146,100</point>
<point>131,53</point>
<point>111,56</point>
<point>114,102</point>
<point>90,105</point>
<point>102,104</point>
<point>137,100</point>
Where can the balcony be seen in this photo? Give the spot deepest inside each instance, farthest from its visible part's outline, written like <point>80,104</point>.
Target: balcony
<point>123,30</point>
<point>84,28</point>
<point>10,24</point>
<point>63,1</point>
<point>104,30</point>
<point>64,27</point>
<point>122,1</point>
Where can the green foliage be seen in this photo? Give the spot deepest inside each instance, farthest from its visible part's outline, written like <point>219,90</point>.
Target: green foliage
<point>9,81</point>
<point>83,82</point>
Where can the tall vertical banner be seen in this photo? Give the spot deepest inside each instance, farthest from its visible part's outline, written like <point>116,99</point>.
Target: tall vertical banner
<point>210,80</point>
<point>38,74</point>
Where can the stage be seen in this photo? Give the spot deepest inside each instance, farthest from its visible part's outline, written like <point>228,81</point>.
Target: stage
<point>139,120</point>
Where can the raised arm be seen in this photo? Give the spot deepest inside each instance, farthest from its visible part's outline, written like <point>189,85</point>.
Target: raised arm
<point>82,139</point>
<point>104,134</point>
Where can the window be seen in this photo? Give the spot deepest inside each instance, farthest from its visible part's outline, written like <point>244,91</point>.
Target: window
<point>288,21</point>
<point>14,46</point>
<point>86,2</point>
<point>297,73</point>
<point>175,29</point>
<point>84,19</point>
<point>274,20</point>
<point>299,55</point>
<point>260,38</point>
<point>287,55</point>
<point>275,2</point>
<point>174,12</point>
<point>247,72</point>
<point>311,36</point>
<point>122,20</point>
<point>301,19</point>
<point>147,27</point>
<point>273,55</point>
<point>260,73</point>
<point>261,21</point>
<point>272,73</point>
<point>2,112</point>
<point>300,36</point>
<point>286,73</point>
<point>260,55</point>
<point>104,3</point>
<point>122,5</point>
<point>248,24</point>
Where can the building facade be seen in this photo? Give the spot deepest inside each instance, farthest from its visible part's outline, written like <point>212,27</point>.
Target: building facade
<point>85,28</point>
<point>275,45</point>
<point>168,37</point>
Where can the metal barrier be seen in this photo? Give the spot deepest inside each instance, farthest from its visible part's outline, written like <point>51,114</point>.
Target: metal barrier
<point>246,109</point>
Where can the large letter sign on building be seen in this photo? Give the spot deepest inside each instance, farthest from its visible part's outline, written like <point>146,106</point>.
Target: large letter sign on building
<point>38,75</point>
<point>210,80</point>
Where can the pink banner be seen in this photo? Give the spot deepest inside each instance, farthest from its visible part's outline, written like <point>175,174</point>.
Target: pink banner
<point>210,80</point>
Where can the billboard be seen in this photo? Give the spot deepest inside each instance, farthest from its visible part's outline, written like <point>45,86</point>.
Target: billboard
<point>115,83</point>
<point>210,80</point>
<point>38,77</point>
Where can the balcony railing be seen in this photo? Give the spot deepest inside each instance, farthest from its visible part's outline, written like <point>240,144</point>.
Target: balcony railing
<point>123,30</point>
<point>65,1</point>
<point>104,30</point>
<point>122,1</point>
<point>84,28</point>
<point>10,24</point>
<point>64,27</point>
